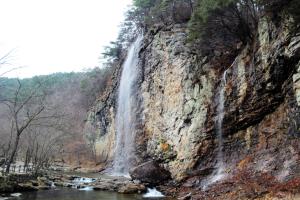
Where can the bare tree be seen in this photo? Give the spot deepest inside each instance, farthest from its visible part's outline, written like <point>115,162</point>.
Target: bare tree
<point>28,110</point>
<point>43,145</point>
<point>4,61</point>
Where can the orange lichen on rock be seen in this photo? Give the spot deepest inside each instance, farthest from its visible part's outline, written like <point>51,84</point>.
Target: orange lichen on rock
<point>244,163</point>
<point>164,146</point>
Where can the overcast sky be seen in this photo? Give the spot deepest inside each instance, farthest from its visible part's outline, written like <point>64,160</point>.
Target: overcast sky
<point>57,35</point>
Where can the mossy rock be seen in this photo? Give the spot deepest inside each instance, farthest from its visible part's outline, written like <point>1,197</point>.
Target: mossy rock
<point>7,186</point>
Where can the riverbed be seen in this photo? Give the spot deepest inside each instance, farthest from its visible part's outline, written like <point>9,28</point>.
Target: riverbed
<point>73,194</point>
<point>80,189</point>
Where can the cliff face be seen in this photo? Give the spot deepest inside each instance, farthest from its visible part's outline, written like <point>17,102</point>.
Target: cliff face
<point>178,97</point>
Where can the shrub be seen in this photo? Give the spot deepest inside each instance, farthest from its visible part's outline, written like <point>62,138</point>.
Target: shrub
<point>112,52</point>
<point>220,27</point>
<point>149,12</point>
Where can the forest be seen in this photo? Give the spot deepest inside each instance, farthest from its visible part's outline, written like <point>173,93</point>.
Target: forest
<point>42,118</point>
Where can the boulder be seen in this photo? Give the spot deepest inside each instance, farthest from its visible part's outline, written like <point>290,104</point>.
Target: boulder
<point>25,187</point>
<point>105,186</point>
<point>132,188</point>
<point>2,161</point>
<point>43,187</point>
<point>150,172</point>
<point>59,184</point>
<point>7,187</point>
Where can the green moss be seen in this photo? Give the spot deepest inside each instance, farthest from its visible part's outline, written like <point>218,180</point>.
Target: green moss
<point>6,186</point>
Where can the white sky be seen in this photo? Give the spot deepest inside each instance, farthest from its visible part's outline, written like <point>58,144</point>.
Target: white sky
<point>57,35</point>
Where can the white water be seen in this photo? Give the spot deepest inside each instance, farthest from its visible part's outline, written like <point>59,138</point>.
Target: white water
<point>153,193</point>
<point>87,188</point>
<point>219,122</point>
<point>15,194</point>
<point>125,132</point>
<point>81,183</point>
<point>219,173</point>
<point>83,180</point>
<point>53,184</point>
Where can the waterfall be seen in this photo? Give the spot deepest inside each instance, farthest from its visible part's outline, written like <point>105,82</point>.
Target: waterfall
<point>125,131</point>
<point>219,173</point>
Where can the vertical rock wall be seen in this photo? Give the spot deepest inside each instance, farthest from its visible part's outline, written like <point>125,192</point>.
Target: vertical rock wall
<point>177,105</point>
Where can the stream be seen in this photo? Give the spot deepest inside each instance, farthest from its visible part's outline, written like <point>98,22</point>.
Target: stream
<point>71,194</point>
<point>77,194</point>
<point>81,193</point>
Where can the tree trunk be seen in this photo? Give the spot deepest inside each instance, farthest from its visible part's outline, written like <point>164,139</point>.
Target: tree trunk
<point>12,156</point>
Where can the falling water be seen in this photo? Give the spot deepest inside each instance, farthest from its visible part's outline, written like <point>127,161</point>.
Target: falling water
<point>219,173</point>
<point>125,132</point>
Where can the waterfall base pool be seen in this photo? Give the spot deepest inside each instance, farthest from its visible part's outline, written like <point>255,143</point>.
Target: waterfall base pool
<point>73,194</point>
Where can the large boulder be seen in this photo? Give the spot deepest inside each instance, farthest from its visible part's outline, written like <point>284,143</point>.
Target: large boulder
<point>150,172</point>
<point>2,161</point>
<point>132,188</point>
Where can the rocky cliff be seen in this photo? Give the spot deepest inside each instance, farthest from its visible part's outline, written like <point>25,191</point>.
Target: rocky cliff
<point>178,97</point>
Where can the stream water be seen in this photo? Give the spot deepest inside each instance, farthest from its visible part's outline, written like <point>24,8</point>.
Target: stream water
<point>80,193</point>
<point>71,194</point>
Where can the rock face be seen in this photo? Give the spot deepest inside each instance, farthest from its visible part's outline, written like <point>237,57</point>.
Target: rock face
<point>178,106</point>
<point>150,172</point>
<point>100,123</point>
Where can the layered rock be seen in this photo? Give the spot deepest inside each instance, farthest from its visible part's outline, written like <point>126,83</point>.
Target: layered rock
<point>100,122</point>
<point>177,105</point>
<point>176,101</point>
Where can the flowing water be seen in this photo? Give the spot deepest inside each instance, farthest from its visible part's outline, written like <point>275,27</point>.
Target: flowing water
<point>80,193</point>
<point>153,193</point>
<point>219,122</point>
<point>71,194</point>
<point>219,173</point>
<point>125,132</point>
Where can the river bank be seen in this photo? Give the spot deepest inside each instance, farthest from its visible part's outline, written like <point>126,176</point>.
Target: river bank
<point>55,183</point>
<point>70,194</point>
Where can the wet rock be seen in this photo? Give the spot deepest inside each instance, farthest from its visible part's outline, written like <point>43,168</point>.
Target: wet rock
<point>59,184</point>
<point>132,188</point>
<point>6,186</point>
<point>186,197</point>
<point>43,188</point>
<point>34,183</point>
<point>24,187</point>
<point>69,185</point>
<point>104,187</point>
<point>9,184</point>
<point>2,161</point>
<point>150,172</point>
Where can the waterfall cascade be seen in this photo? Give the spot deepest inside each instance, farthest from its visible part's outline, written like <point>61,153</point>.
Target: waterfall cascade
<point>219,173</point>
<point>125,132</point>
